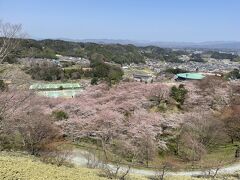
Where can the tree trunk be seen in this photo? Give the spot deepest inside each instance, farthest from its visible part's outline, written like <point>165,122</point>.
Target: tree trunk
<point>237,152</point>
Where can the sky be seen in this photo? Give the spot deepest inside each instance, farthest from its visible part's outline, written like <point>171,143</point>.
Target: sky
<point>141,20</point>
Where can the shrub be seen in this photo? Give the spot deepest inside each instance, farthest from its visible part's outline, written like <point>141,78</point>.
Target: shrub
<point>94,81</point>
<point>178,93</point>
<point>234,74</point>
<point>12,142</point>
<point>61,88</point>
<point>60,115</point>
<point>2,85</point>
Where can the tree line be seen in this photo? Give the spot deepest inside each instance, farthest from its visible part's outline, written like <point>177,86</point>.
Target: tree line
<point>117,53</point>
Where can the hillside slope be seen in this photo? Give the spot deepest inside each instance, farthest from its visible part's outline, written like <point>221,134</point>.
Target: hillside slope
<point>18,166</point>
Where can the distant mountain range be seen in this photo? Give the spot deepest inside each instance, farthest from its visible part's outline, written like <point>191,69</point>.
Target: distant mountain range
<point>220,45</point>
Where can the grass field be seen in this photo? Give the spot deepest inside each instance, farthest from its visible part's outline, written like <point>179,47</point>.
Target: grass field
<point>16,166</point>
<point>128,73</point>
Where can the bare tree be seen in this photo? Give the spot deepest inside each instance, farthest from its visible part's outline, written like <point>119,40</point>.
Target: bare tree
<point>113,167</point>
<point>116,171</point>
<point>213,168</point>
<point>162,170</point>
<point>10,35</point>
<point>146,149</point>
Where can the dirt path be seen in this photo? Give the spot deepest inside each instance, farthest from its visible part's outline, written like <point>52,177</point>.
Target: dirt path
<point>79,158</point>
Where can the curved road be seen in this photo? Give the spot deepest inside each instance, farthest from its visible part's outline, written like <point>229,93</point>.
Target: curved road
<point>79,158</point>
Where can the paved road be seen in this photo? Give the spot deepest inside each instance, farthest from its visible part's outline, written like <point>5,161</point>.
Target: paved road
<point>79,158</point>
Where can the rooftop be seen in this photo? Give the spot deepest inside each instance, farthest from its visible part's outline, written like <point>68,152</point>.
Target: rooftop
<point>194,76</point>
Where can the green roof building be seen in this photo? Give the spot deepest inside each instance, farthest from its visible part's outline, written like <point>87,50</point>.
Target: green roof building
<point>190,76</point>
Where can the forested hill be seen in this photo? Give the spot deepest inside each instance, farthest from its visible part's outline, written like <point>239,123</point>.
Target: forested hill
<point>121,54</point>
